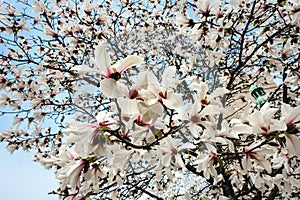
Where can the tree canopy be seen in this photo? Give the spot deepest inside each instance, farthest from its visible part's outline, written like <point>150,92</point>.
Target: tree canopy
<point>155,99</point>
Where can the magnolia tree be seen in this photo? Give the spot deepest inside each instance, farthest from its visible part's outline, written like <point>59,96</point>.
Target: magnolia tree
<point>150,99</point>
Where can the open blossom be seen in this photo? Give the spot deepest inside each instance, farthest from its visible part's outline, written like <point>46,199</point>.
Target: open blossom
<point>70,173</point>
<point>90,137</point>
<point>263,122</point>
<point>257,155</point>
<point>290,115</point>
<point>205,162</point>
<point>199,116</point>
<point>170,149</point>
<point>111,86</point>
<point>180,125</point>
<point>151,96</point>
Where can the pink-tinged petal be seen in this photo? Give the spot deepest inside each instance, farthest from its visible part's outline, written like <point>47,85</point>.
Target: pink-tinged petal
<point>112,88</point>
<point>294,116</point>
<point>127,62</point>
<point>246,162</point>
<point>102,59</point>
<point>74,173</point>
<point>293,144</point>
<point>263,162</point>
<point>84,69</point>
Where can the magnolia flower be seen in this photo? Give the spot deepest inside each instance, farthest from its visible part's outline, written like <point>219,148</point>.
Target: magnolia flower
<point>207,7</point>
<point>90,137</point>
<point>253,153</point>
<point>110,86</point>
<point>206,161</point>
<point>70,173</point>
<point>185,21</point>
<point>38,7</point>
<point>293,144</point>
<point>198,115</point>
<point>182,19</point>
<point>290,115</point>
<point>152,96</point>
<point>263,123</point>
<point>170,148</point>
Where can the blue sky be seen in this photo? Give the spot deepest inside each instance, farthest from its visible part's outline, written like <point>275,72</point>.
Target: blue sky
<point>20,177</point>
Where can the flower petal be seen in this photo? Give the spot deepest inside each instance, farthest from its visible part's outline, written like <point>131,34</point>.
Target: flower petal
<point>165,161</point>
<point>173,101</point>
<point>210,110</point>
<point>102,59</point>
<point>112,88</point>
<point>84,69</point>
<point>127,62</point>
<point>293,144</point>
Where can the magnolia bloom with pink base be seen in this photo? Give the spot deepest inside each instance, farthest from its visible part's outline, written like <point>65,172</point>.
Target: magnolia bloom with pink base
<point>111,86</point>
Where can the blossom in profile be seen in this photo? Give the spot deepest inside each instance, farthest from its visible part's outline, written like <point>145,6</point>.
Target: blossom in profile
<point>256,154</point>
<point>69,175</point>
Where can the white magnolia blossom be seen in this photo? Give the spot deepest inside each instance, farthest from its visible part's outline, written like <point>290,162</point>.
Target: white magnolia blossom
<point>171,111</point>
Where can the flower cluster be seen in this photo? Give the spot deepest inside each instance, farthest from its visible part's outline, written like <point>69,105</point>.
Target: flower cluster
<point>167,113</point>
